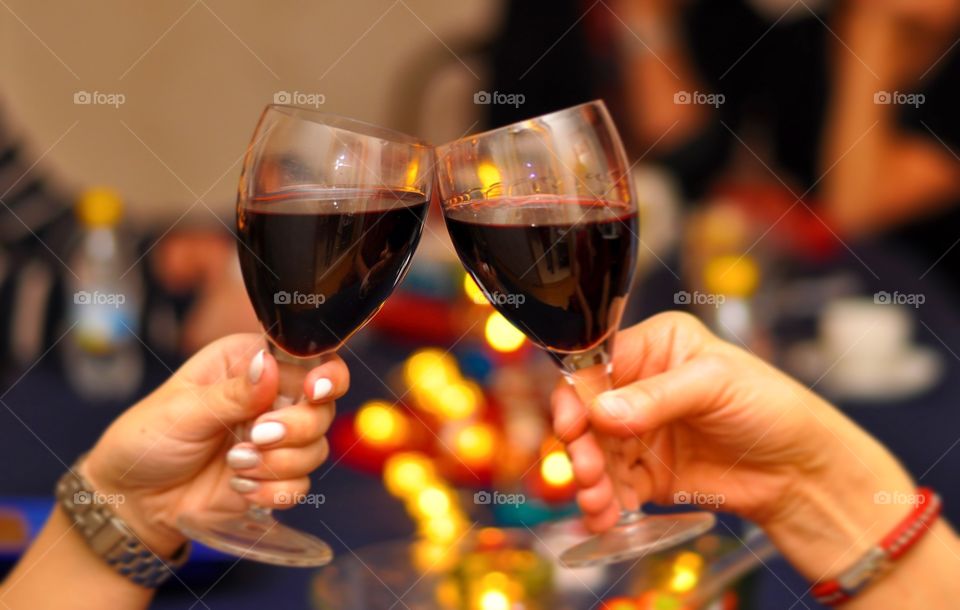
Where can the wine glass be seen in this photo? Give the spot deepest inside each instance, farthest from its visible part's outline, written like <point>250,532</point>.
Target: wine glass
<point>543,217</point>
<point>329,212</point>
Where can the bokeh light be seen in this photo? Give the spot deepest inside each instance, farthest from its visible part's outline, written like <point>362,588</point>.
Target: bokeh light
<point>473,291</point>
<point>407,473</point>
<point>556,468</point>
<point>475,443</point>
<point>380,423</point>
<point>502,335</point>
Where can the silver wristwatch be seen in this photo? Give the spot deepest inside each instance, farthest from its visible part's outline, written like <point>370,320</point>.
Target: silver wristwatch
<point>109,537</point>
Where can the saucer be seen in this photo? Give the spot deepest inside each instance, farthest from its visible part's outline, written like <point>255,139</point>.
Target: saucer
<point>913,371</point>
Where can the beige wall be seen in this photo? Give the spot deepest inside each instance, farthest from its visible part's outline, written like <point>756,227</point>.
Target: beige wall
<point>195,75</point>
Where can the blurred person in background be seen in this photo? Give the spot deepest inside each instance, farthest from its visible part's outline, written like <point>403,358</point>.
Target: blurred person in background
<point>849,103</point>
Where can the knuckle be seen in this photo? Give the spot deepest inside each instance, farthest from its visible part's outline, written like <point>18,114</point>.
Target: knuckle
<point>644,394</point>
<point>281,464</point>
<point>683,320</point>
<point>324,451</point>
<point>716,364</point>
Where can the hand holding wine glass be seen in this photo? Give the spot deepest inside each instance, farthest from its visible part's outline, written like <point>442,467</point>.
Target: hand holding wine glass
<point>329,213</point>
<point>176,452</point>
<point>543,209</point>
<point>724,429</point>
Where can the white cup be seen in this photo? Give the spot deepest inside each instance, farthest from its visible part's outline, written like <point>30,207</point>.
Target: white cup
<point>861,337</point>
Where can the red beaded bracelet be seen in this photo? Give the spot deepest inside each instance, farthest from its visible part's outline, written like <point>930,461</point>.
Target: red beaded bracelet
<point>879,559</point>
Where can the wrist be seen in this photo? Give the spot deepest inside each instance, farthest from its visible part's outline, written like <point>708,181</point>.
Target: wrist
<point>164,540</point>
<point>832,519</point>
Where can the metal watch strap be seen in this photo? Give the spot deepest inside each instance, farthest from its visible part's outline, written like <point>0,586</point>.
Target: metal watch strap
<point>109,537</point>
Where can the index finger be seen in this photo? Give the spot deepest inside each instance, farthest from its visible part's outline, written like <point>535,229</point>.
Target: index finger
<point>570,416</point>
<point>327,381</point>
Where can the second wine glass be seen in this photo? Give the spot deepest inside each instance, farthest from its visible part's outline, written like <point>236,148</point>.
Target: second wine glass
<point>329,213</point>
<point>542,215</point>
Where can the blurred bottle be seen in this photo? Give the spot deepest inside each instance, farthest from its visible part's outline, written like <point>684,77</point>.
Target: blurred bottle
<point>102,355</point>
<point>732,281</point>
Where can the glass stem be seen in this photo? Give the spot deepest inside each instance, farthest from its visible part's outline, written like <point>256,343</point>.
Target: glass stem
<point>292,372</point>
<point>591,373</point>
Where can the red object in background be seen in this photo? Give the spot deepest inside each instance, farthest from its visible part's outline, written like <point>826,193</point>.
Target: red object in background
<point>362,455</point>
<point>420,319</point>
<point>793,224</point>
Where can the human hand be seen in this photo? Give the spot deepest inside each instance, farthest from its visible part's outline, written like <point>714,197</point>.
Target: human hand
<point>695,414</point>
<point>168,454</point>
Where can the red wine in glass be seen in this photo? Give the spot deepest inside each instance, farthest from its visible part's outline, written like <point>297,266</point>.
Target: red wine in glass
<point>329,213</point>
<point>318,264</point>
<point>558,268</point>
<point>543,215</point>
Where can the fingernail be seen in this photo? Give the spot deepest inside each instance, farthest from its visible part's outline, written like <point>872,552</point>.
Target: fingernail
<point>256,367</point>
<point>614,406</point>
<point>242,457</point>
<point>267,432</point>
<point>322,388</point>
<point>243,486</point>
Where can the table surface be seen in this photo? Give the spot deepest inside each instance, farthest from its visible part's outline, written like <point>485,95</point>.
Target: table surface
<point>44,426</point>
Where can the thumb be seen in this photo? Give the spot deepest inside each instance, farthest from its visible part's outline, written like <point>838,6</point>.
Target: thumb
<point>692,388</point>
<point>236,399</point>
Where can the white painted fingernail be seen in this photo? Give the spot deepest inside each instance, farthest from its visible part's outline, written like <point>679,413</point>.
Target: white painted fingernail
<point>243,486</point>
<point>322,388</point>
<point>268,432</point>
<point>256,367</point>
<point>239,458</point>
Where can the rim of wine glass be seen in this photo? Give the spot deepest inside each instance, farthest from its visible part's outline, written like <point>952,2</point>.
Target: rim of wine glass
<point>442,148</point>
<point>340,122</point>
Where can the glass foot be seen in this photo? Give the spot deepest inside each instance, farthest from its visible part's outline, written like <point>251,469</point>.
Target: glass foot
<point>636,535</point>
<point>257,535</point>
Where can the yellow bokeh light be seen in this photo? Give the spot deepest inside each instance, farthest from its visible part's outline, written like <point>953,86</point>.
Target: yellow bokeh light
<point>556,468</point>
<point>686,572</point>
<point>379,423</point>
<point>432,502</point>
<point>494,599</point>
<point>735,276</point>
<point>689,560</point>
<point>429,556</point>
<point>407,473</point>
<point>683,580</point>
<point>488,174</point>
<point>472,289</point>
<point>475,443</point>
<point>502,335</point>
<point>430,368</point>
<point>444,528</point>
<point>455,401</point>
